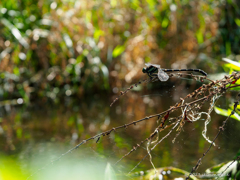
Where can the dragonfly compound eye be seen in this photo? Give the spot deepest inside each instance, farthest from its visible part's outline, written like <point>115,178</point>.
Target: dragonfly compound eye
<point>144,70</point>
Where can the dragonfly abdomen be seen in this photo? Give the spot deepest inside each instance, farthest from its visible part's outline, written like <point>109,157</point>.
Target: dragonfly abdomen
<point>194,70</point>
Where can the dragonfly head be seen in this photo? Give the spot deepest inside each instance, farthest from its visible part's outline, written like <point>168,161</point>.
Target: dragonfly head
<point>144,70</point>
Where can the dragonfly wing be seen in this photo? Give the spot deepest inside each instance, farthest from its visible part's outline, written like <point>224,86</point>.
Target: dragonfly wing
<point>162,75</point>
<point>148,64</point>
<point>154,65</point>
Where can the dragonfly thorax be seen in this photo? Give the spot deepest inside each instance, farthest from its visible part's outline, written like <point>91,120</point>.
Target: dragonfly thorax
<point>150,69</point>
<point>154,68</point>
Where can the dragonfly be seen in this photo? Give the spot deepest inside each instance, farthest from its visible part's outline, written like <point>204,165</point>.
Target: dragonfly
<point>162,75</point>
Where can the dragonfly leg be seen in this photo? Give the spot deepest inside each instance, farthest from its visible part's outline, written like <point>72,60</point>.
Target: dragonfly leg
<point>150,75</point>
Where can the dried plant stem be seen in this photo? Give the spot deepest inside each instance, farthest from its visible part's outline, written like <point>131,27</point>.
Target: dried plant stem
<point>154,147</point>
<point>221,128</point>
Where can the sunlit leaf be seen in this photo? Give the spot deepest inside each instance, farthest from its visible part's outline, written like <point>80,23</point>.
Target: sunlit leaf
<point>202,21</point>
<point>91,42</point>
<point>199,36</point>
<point>10,170</point>
<point>215,168</point>
<point>79,59</point>
<point>151,3</point>
<point>41,32</point>
<point>224,169</point>
<point>68,42</point>
<point>97,34</point>
<point>165,22</point>
<point>232,67</point>
<point>85,52</point>
<point>104,70</point>
<point>46,22</point>
<point>118,50</point>
<point>226,113</point>
<point>147,59</point>
<point>113,3</point>
<point>231,62</point>
<point>16,71</point>
<point>237,88</point>
<point>88,16</point>
<point>237,21</point>
<point>16,33</point>
<point>227,168</point>
<point>5,52</point>
<point>105,75</point>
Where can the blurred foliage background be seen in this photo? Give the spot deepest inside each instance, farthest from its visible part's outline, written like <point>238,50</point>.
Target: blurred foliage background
<point>50,49</point>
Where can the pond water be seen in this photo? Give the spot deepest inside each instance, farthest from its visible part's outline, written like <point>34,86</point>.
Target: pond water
<point>33,136</point>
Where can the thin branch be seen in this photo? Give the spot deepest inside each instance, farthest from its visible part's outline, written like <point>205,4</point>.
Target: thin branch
<point>221,128</point>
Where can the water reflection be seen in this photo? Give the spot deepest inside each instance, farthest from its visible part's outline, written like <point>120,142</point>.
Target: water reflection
<point>38,134</point>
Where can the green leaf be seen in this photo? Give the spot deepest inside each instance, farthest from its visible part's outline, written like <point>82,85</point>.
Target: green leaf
<point>236,88</point>
<point>118,50</point>
<point>88,16</point>
<point>165,22</point>
<point>231,62</point>
<point>10,169</point>
<point>16,71</point>
<point>105,75</point>
<point>199,36</point>
<point>97,34</point>
<point>152,4</point>
<point>113,3</point>
<point>215,168</point>
<point>19,133</point>
<point>228,48</point>
<point>232,66</point>
<point>5,52</point>
<point>79,59</point>
<point>68,41</point>
<point>230,167</point>
<point>237,21</point>
<point>226,113</point>
<point>15,32</point>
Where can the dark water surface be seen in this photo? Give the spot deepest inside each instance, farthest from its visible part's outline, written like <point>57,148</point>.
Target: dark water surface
<point>34,136</point>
